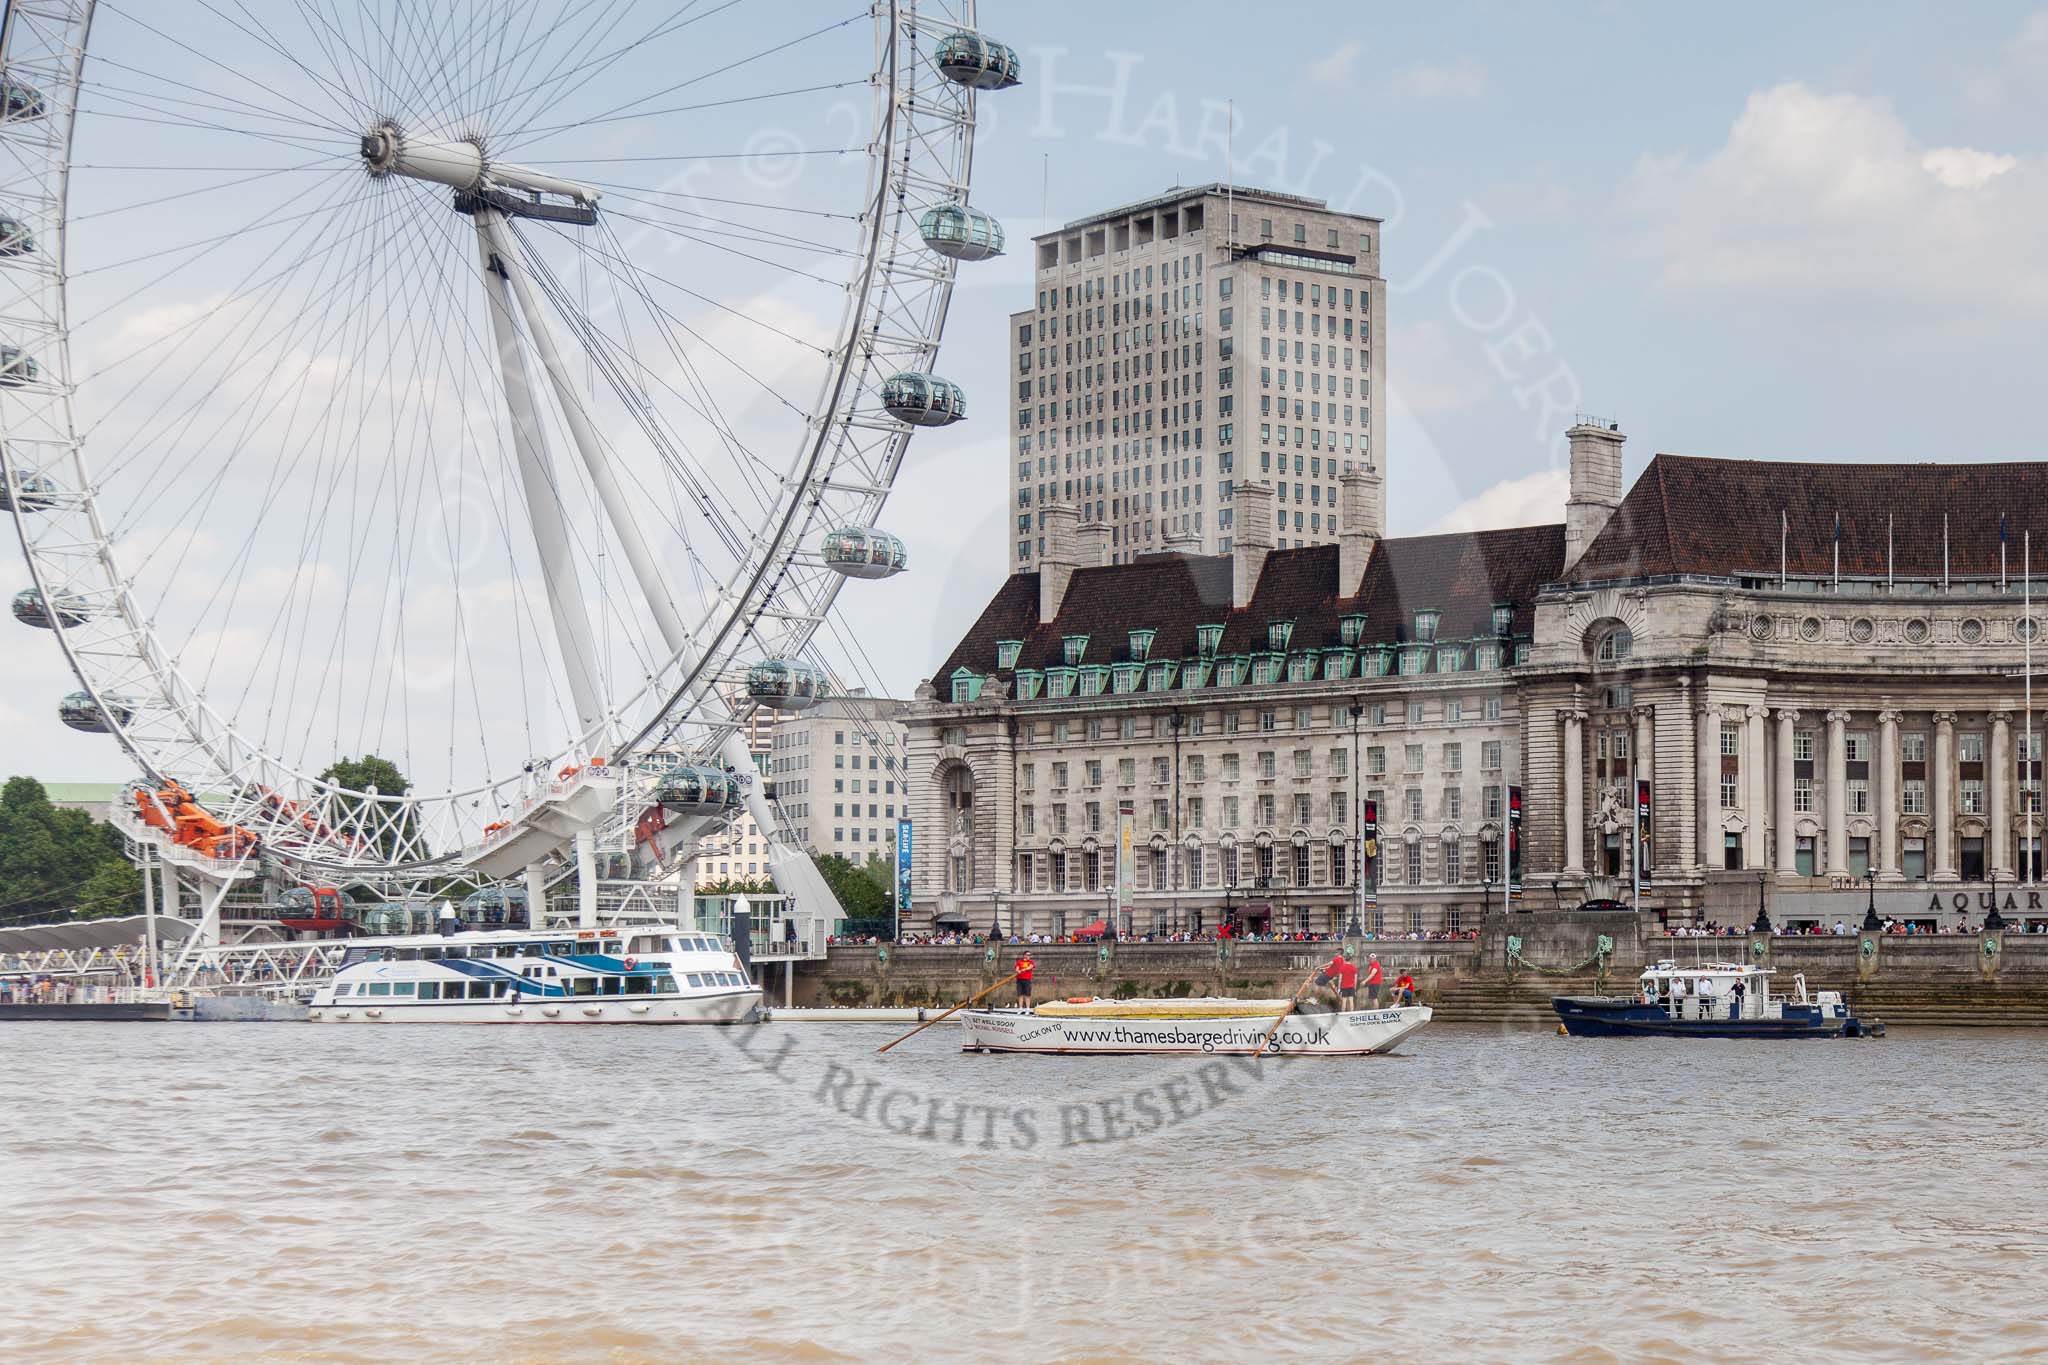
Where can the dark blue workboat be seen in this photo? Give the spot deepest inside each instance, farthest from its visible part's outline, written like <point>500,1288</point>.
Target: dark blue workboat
<point>1708,1000</point>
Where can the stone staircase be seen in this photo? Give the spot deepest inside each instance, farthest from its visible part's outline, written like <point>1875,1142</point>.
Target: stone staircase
<point>1523,1003</point>
<point>1975,1003</point>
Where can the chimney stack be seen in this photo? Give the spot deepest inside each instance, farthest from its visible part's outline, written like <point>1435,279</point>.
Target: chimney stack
<point>1091,544</point>
<point>1056,565</point>
<point>1252,541</point>
<point>1358,496</point>
<point>1596,483</point>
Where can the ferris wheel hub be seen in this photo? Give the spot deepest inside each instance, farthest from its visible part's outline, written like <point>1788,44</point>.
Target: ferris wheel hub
<point>458,163</point>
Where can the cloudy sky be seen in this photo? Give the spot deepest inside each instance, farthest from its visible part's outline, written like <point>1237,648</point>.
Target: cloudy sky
<point>1808,235</point>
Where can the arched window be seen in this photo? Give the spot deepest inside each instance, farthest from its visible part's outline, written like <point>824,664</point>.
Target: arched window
<point>1615,645</point>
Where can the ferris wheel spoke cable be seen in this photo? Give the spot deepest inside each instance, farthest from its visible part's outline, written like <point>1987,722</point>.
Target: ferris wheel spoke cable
<point>143,440</point>
<point>598,348</point>
<point>342,102</point>
<point>704,407</point>
<point>506,89</point>
<point>512,112</point>
<point>741,315</point>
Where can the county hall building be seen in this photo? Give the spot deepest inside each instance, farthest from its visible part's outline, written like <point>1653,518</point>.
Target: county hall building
<point>1819,674</point>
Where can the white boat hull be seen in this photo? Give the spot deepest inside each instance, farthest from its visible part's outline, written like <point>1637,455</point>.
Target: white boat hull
<point>726,1007</point>
<point>1309,1035</point>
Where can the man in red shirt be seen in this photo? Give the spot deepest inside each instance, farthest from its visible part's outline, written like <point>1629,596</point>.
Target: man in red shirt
<point>1404,989</point>
<point>1025,967</point>
<point>1373,977</point>
<point>1342,973</point>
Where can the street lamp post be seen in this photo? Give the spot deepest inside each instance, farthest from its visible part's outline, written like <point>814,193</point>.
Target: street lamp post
<point>1994,921</point>
<point>1870,919</point>
<point>1763,918</point>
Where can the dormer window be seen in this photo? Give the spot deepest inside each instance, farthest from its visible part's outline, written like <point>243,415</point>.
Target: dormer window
<point>966,685</point>
<point>1208,639</point>
<point>1072,648</point>
<point>1503,618</point>
<point>1426,622</point>
<point>1351,629</point>
<point>1141,644</point>
<point>1007,651</point>
<point>1278,634</point>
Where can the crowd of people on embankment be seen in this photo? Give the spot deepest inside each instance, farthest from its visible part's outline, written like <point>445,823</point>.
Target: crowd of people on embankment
<point>1843,929</point>
<point>982,940</point>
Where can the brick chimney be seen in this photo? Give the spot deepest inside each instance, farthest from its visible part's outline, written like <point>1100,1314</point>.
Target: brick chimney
<point>1056,566</point>
<point>1252,539</point>
<point>1358,498</point>
<point>1596,483</point>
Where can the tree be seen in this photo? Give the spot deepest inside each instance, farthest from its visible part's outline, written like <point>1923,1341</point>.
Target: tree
<point>861,888</point>
<point>360,774</point>
<point>738,886</point>
<point>55,862</point>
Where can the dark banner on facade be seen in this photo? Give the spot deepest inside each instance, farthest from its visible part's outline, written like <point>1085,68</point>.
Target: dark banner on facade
<point>1514,841</point>
<point>1644,862</point>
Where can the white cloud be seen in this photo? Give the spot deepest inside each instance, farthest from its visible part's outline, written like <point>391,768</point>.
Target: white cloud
<point>1336,68</point>
<point>1463,79</point>
<point>1532,500</point>
<point>1964,168</point>
<point>1832,197</point>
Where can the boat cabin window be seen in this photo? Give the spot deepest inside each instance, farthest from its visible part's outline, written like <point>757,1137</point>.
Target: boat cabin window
<point>431,954</point>
<point>697,980</point>
<point>609,946</point>
<point>583,985</point>
<point>402,987</point>
<point>639,985</point>
<point>561,949</point>
<point>667,985</point>
<point>380,988</point>
<point>430,990</point>
<point>345,988</point>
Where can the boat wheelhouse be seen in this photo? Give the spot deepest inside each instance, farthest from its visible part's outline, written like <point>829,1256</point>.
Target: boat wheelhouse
<point>1712,1000</point>
<point>620,975</point>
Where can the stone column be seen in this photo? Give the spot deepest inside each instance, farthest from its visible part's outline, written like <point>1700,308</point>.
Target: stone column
<point>1782,817</point>
<point>1573,761</point>
<point>1887,797</point>
<point>1707,781</point>
<point>1997,780</point>
<point>1645,757</point>
<point>1753,787</point>
<point>1838,794</point>
<point>1942,794</point>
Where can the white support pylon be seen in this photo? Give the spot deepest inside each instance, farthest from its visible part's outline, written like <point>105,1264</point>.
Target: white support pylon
<point>543,496</point>
<point>790,866</point>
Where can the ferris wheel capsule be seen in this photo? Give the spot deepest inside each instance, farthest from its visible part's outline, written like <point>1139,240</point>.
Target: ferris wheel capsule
<point>17,367</point>
<point>18,101</point>
<point>81,712</point>
<point>962,232</point>
<point>15,238</point>
<point>864,552</point>
<point>923,400</point>
<point>696,790</point>
<point>29,493</point>
<point>979,63</point>
<point>32,608</point>
<point>785,685</point>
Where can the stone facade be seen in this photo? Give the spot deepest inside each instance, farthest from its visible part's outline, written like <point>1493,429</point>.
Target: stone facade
<point>1821,671</point>
<point>1176,346</point>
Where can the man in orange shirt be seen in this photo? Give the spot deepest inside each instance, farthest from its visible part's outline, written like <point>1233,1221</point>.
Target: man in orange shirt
<point>1404,989</point>
<point>1373,977</point>
<point>1025,967</point>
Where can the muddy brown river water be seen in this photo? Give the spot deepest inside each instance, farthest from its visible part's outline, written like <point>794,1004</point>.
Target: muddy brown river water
<point>229,1191</point>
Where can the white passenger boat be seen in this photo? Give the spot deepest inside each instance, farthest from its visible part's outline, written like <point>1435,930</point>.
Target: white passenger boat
<point>1217,1027</point>
<point>641,975</point>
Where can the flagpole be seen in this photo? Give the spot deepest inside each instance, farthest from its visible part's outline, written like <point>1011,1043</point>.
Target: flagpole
<point>1838,552</point>
<point>1888,552</point>
<point>1784,527</point>
<point>2027,633</point>
<point>2001,552</point>
<point>1944,552</point>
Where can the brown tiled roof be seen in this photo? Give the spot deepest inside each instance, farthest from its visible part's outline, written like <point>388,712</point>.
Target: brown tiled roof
<point>1692,515</point>
<point>1462,574</point>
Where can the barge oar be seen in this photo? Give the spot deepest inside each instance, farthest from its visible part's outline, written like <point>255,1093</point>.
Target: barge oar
<point>948,1014</point>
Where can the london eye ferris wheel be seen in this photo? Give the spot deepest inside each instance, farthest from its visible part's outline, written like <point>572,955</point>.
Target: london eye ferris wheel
<point>507,388</point>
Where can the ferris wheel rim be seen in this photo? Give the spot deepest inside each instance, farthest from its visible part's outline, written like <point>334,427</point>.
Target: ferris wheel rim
<point>210,731</point>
